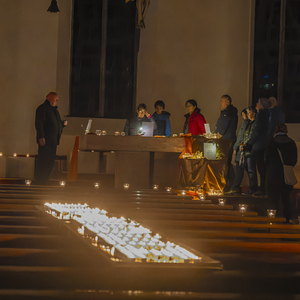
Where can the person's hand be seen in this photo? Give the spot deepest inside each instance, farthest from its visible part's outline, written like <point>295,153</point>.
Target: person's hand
<point>42,142</point>
<point>147,114</point>
<point>65,122</point>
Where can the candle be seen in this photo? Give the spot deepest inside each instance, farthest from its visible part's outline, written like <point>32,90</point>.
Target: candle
<point>155,186</point>
<point>27,155</point>
<point>117,133</point>
<point>222,201</point>
<point>242,208</point>
<point>1,154</point>
<point>202,196</point>
<point>96,185</point>
<point>28,182</point>
<point>126,186</point>
<point>98,132</point>
<point>103,132</point>
<point>15,154</point>
<point>168,189</point>
<point>183,192</point>
<point>123,133</point>
<point>271,213</point>
<point>62,184</point>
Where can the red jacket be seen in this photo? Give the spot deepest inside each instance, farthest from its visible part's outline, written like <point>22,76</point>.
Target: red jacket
<point>196,122</point>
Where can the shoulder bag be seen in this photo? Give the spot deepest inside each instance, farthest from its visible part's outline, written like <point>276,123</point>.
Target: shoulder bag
<point>289,175</point>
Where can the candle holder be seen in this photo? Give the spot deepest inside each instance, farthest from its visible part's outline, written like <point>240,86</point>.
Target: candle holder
<point>271,213</point>
<point>123,133</point>
<point>168,189</point>
<point>117,133</point>
<point>126,186</point>
<point>62,184</point>
<point>210,192</point>
<point>98,132</point>
<point>28,182</point>
<point>202,196</point>
<point>183,192</point>
<point>103,132</point>
<point>174,135</point>
<point>243,208</point>
<point>155,186</point>
<point>222,201</point>
<point>97,185</point>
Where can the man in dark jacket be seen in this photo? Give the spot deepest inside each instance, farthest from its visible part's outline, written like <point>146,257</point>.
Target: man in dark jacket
<point>226,127</point>
<point>227,122</point>
<point>49,127</point>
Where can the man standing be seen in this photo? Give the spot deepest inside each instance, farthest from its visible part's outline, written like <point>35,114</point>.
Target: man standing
<point>226,127</point>
<point>49,127</point>
<point>227,122</point>
<point>277,116</point>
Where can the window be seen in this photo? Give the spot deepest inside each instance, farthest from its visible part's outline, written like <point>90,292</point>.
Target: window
<point>112,54</point>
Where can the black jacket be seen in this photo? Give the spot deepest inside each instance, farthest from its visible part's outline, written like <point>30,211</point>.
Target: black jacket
<point>227,123</point>
<point>133,124</point>
<point>48,124</point>
<point>260,137</point>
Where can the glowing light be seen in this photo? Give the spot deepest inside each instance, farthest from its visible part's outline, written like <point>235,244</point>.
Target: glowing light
<point>62,183</point>
<point>168,189</point>
<point>183,192</point>
<point>155,186</point>
<point>1,154</point>
<point>15,154</point>
<point>243,208</point>
<point>222,201</point>
<point>28,182</point>
<point>271,213</point>
<point>126,186</point>
<point>128,237</point>
<point>96,185</point>
<point>27,155</point>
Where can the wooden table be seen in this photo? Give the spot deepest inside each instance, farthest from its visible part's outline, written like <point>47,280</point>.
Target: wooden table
<point>140,161</point>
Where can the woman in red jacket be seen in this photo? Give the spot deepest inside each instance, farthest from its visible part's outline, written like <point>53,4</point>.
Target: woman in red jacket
<point>195,121</point>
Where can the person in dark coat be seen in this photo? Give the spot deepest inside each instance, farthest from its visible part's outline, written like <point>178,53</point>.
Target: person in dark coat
<point>239,170</point>
<point>226,127</point>
<point>257,143</point>
<point>133,126</point>
<point>277,190</point>
<point>162,119</point>
<point>227,122</point>
<point>277,116</point>
<point>49,128</point>
<point>194,122</point>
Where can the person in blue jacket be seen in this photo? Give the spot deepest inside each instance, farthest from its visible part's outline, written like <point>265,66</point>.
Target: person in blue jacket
<point>162,119</point>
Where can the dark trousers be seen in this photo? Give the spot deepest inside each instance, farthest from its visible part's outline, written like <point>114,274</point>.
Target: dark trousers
<point>253,162</point>
<point>45,163</point>
<point>281,194</point>
<point>229,177</point>
<point>239,174</point>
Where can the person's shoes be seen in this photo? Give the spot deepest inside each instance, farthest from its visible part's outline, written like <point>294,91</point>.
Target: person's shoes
<point>248,193</point>
<point>231,192</point>
<point>259,194</point>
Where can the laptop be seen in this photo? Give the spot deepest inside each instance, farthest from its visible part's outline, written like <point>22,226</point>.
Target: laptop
<point>148,128</point>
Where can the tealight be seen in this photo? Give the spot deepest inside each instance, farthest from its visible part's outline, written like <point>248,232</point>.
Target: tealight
<point>243,208</point>
<point>174,135</point>
<point>210,192</point>
<point>98,132</point>
<point>96,185</point>
<point>28,182</point>
<point>123,133</point>
<point>27,155</point>
<point>183,192</point>
<point>117,133</point>
<point>222,201</point>
<point>271,213</point>
<point>126,186</point>
<point>155,186</point>
<point>103,132</point>
<point>168,189</point>
<point>15,154</point>
<point>202,196</point>
<point>62,183</point>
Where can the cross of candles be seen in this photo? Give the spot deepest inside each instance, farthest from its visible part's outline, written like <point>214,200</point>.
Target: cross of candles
<point>121,235</point>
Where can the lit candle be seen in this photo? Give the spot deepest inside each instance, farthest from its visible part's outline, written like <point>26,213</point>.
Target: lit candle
<point>117,133</point>
<point>126,186</point>
<point>62,184</point>
<point>242,208</point>
<point>28,182</point>
<point>96,185</point>
<point>271,213</point>
<point>202,196</point>
<point>183,192</point>
<point>103,132</point>
<point>155,186</point>
<point>15,154</point>
<point>27,155</point>
<point>222,201</point>
<point>168,189</point>
<point>98,132</point>
<point>1,154</point>
<point>123,133</point>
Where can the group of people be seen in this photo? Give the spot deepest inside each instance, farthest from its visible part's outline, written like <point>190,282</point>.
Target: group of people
<point>261,144</point>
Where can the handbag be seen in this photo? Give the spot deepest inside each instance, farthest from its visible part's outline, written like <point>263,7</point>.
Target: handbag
<point>288,171</point>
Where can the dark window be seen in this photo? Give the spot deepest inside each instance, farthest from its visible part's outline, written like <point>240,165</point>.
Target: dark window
<point>120,50</point>
<point>267,53</point>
